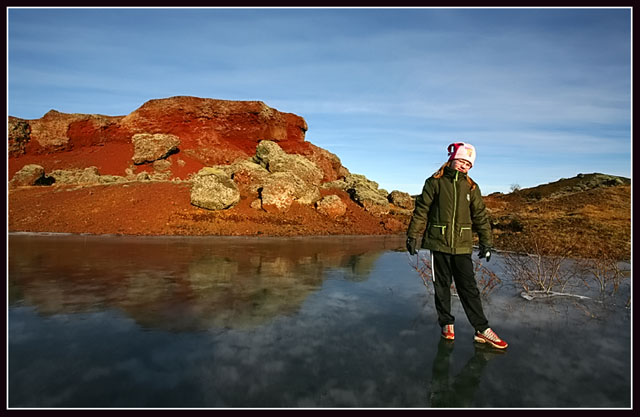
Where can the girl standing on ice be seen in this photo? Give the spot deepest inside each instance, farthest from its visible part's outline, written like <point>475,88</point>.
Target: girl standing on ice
<point>449,206</point>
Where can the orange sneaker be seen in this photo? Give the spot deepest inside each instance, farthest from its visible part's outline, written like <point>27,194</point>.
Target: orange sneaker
<point>489,336</point>
<point>447,332</point>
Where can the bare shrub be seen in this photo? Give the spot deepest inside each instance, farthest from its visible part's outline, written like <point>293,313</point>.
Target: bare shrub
<point>487,279</point>
<point>604,269</point>
<point>543,266</point>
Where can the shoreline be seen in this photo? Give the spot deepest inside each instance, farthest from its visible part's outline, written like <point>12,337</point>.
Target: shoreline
<point>230,237</point>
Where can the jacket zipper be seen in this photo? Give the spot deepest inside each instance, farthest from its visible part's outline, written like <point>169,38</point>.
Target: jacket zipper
<point>455,208</point>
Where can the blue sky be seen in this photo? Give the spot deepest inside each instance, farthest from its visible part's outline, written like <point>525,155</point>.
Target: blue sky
<point>541,93</point>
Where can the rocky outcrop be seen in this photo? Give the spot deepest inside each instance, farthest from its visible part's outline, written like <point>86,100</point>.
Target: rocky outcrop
<point>200,123</point>
<point>213,189</point>
<point>31,174</point>
<point>153,147</point>
<point>215,132</point>
<point>276,177</point>
<point>401,199</point>
<point>364,192</point>
<point>586,182</point>
<point>279,192</point>
<point>57,131</point>
<point>274,159</point>
<point>328,162</point>
<point>35,175</point>
<point>247,174</point>
<point>281,189</point>
<point>215,121</point>
<point>161,165</point>
<point>331,206</point>
<point>19,135</point>
<point>86,176</point>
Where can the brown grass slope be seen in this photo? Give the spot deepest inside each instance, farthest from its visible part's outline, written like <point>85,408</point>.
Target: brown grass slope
<point>586,216</point>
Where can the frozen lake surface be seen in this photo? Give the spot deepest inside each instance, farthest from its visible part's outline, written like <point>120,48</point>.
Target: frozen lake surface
<point>155,322</point>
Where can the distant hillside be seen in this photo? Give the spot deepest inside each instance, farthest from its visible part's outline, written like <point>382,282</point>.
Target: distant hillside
<point>590,214</point>
<point>565,186</point>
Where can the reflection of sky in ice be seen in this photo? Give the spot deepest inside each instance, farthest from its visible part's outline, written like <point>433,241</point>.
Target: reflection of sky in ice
<point>365,342</point>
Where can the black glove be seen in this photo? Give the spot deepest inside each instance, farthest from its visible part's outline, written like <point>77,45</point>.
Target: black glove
<point>485,252</point>
<point>411,245</point>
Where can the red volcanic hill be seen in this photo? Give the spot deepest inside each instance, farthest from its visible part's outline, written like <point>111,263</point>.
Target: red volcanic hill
<point>209,133</point>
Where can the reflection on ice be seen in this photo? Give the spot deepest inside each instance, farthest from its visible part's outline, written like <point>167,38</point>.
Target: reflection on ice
<point>182,284</point>
<point>459,391</point>
<point>303,322</point>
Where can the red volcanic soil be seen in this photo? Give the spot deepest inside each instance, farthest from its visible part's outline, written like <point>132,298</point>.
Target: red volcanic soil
<point>164,208</point>
<point>110,159</point>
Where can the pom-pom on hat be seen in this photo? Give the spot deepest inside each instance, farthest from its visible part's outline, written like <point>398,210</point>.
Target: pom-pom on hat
<point>461,150</point>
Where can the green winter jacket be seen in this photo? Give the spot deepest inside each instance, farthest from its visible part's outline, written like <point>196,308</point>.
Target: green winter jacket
<point>445,213</point>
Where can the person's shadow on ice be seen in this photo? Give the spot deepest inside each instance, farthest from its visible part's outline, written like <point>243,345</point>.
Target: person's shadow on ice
<point>460,392</point>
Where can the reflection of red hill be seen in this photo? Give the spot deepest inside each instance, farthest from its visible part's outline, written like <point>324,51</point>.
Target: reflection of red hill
<point>178,284</point>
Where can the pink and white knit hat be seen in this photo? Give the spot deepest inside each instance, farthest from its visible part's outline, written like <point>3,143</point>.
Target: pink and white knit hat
<point>461,150</point>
